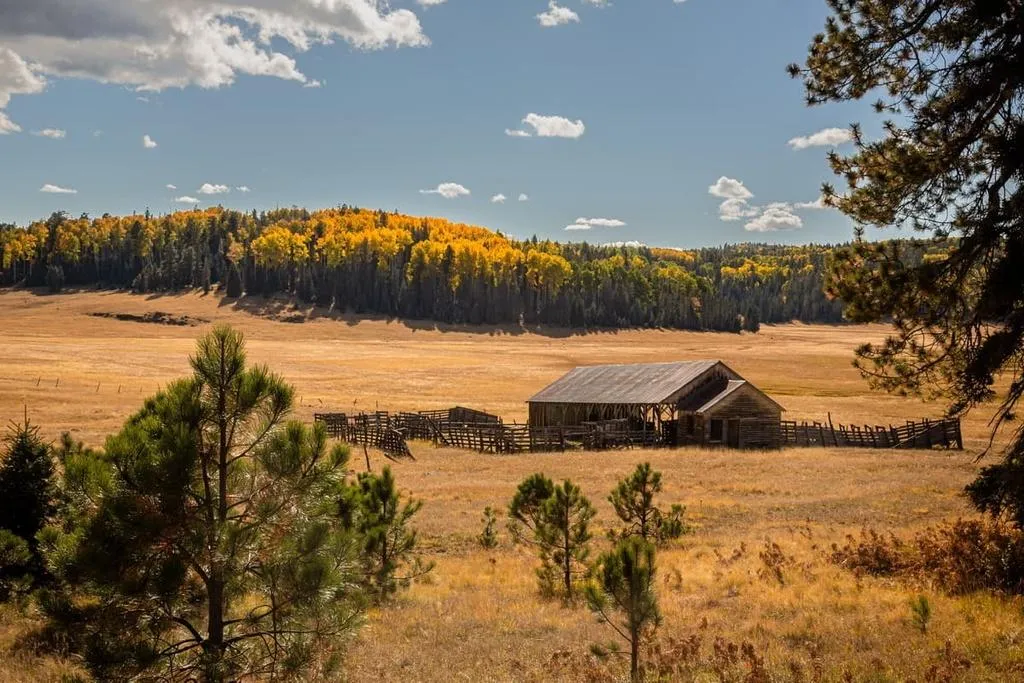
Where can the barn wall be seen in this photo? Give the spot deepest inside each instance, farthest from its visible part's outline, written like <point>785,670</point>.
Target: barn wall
<point>759,421</point>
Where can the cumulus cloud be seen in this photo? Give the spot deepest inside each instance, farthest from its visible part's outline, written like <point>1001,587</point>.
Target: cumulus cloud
<point>430,3</point>
<point>186,200</point>
<point>16,78</point>
<point>523,197</point>
<point>735,195</point>
<point>57,189</point>
<point>148,142</point>
<point>152,46</point>
<point>736,206</point>
<point>209,188</point>
<point>448,190</point>
<point>775,216</point>
<point>52,133</point>
<point>243,188</point>
<point>829,137</point>
<point>549,127</point>
<point>498,199</point>
<point>172,187</point>
<point>729,188</point>
<point>589,223</point>
<point>557,15</point>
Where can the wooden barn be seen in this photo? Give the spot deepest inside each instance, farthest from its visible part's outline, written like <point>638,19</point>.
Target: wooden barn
<point>691,402</point>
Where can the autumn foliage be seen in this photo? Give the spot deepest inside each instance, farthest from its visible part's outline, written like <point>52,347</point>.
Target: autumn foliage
<point>430,268</point>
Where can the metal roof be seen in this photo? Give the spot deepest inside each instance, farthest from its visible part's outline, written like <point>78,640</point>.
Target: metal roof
<point>639,384</point>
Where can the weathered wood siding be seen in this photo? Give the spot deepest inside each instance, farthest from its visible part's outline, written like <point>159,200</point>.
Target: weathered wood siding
<point>748,421</point>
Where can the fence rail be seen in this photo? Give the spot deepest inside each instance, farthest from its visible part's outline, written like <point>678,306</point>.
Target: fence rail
<point>925,433</point>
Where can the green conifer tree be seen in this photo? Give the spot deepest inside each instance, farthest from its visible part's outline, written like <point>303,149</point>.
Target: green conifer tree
<point>204,544</point>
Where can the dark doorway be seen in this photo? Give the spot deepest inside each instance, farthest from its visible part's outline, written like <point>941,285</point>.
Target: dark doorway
<point>717,427</point>
<point>734,433</point>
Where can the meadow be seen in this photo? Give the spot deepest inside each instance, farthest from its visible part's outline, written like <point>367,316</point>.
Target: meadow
<point>83,362</point>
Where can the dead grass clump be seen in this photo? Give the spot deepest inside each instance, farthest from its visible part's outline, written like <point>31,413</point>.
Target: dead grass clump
<point>695,657</point>
<point>874,554</point>
<point>958,558</point>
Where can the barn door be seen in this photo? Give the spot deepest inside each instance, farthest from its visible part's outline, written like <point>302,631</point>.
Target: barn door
<point>734,433</point>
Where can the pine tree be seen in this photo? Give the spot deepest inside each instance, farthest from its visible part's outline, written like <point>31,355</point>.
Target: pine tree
<point>556,521</point>
<point>948,165</point>
<point>625,584</point>
<point>373,509</point>
<point>204,543</point>
<point>633,501</point>
<point>28,496</point>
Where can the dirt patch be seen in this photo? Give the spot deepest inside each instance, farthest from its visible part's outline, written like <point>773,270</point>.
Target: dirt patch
<point>155,317</point>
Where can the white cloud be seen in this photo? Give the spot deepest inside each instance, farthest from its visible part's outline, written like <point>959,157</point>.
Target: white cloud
<point>549,127</point>
<point>152,46</point>
<point>557,16</point>
<point>430,3</point>
<point>172,187</point>
<point>602,222</point>
<point>829,137</point>
<point>589,223</point>
<point>56,189</point>
<point>186,200</point>
<point>736,206</point>
<point>52,133</point>
<point>775,216</point>
<point>16,78</point>
<point>448,190</point>
<point>148,142</point>
<point>729,188</point>
<point>735,195</point>
<point>498,199</point>
<point>523,197</point>
<point>207,188</point>
<point>818,203</point>
<point>243,188</point>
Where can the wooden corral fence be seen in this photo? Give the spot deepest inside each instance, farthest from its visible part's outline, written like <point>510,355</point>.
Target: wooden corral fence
<point>944,433</point>
<point>373,429</point>
<point>477,431</point>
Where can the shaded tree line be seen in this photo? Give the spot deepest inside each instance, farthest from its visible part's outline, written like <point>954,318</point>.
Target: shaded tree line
<point>373,262</point>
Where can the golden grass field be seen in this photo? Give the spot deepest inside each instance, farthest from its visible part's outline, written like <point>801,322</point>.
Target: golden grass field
<point>478,617</point>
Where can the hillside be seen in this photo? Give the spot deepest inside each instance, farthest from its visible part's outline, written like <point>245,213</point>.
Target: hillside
<point>372,262</point>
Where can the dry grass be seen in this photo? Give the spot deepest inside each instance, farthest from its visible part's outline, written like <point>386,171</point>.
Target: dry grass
<point>479,617</point>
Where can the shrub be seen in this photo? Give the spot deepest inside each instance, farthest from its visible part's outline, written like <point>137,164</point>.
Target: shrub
<point>488,538</point>
<point>872,554</point>
<point>921,613</point>
<point>959,557</point>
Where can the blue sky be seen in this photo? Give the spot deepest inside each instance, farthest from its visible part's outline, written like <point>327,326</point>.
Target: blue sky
<point>662,122</point>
